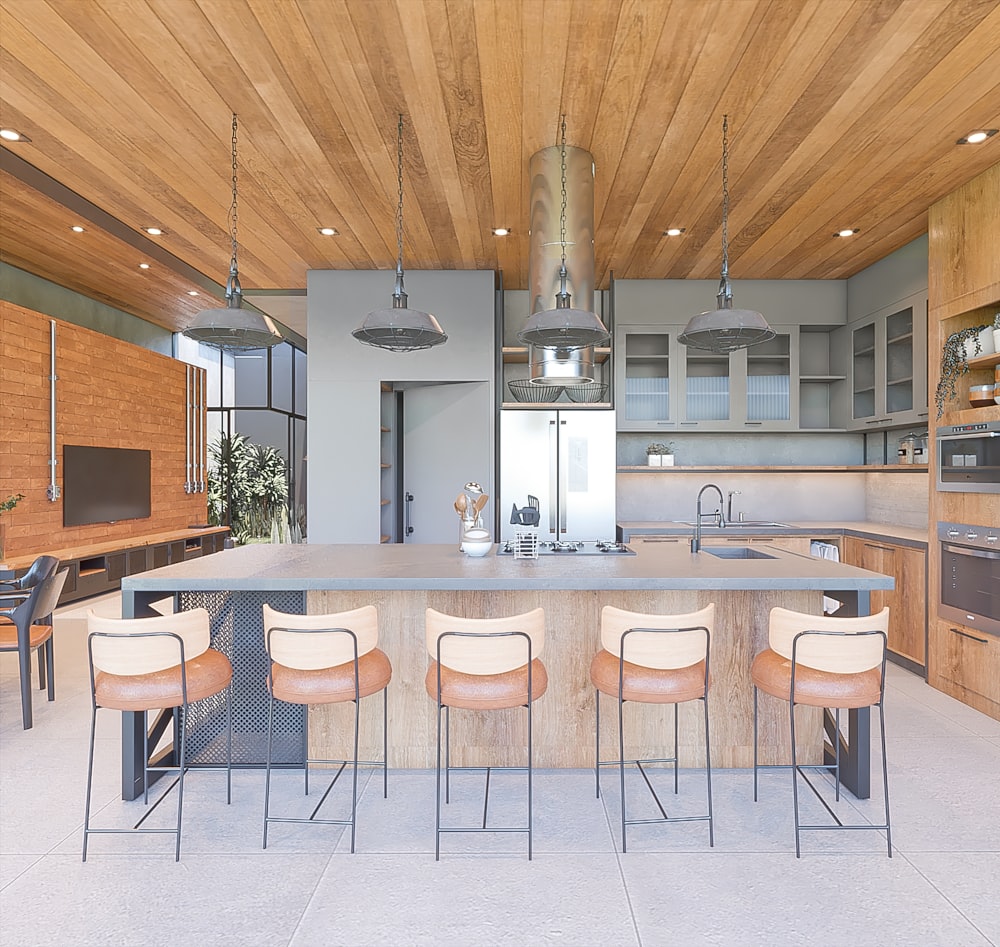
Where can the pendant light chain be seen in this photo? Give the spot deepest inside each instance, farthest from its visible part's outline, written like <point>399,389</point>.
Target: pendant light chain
<point>399,206</point>
<point>562,212</point>
<point>725,196</point>
<point>233,213</point>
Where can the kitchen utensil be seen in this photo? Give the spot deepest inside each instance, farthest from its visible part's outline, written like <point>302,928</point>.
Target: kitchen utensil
<point>480,503</point>
<point>981,395</point>
<point>460,504</point>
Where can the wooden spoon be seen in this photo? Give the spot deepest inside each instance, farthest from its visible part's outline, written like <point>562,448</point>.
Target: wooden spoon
<point>460,504</point>
<point>480,503</point>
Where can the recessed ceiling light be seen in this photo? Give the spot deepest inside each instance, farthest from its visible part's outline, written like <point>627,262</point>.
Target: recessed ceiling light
<point>329,231</point>
<point>501,231</point>
<point>674,231</point>
<point>9,134</point>
<point>76,228</point>
<point>192,292</point>
<point>977,137</point>
<point>143,266</point>
<point>847,233</point>
<point>154,231</point>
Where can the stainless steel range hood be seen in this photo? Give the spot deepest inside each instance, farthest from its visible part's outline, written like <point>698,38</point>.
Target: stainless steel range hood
<point>549,366</point>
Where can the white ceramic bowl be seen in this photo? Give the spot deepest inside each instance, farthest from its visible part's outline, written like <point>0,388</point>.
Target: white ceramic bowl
<point>477,548</point>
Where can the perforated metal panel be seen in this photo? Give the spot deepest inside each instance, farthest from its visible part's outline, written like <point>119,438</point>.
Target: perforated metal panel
<point>238,632</point>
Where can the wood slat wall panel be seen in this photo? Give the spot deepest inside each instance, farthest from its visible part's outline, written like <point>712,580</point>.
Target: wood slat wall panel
<point>843,114</point>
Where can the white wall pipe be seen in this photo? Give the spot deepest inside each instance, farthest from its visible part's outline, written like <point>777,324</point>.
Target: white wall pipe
<point>187,429</point>
<point>53,490</point>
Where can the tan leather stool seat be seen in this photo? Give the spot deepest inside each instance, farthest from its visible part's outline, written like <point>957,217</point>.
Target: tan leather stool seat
<point>487,691</point>
<point>332,685</point>
<point>648,685</point>
<point>772,673</point>
<point>207,674</point>
<point>37,635</point>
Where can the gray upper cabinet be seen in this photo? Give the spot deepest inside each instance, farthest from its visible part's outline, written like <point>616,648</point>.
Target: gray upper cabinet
<point>887,367</point>
<point>665,386</point>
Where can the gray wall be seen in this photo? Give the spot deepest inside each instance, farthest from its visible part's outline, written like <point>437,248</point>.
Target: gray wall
<point>783,302</point>
<point>33,292</point>
<point>344,377</point>
<point>891,280</point>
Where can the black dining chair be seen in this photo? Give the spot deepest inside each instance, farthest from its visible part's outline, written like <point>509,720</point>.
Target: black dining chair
<point>17,590</point>
<point>22,630</point>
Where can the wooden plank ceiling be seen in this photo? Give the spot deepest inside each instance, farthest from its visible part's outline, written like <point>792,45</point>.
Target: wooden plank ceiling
<point>843,114</point>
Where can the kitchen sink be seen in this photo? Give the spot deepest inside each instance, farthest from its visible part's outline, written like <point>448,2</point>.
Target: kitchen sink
<point>741,524</point>
<point>736,552</point>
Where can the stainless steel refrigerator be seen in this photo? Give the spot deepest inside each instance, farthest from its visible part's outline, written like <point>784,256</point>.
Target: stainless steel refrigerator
<point>567,460</point>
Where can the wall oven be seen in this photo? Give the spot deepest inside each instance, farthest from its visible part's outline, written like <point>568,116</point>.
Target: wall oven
<point>968,458</point>
<point>970,575</point>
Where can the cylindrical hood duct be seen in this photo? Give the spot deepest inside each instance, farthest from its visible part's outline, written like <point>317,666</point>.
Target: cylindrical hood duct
<point>561,366</point>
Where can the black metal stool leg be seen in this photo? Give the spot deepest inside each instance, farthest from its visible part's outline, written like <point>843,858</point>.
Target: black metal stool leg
<point>708,776</point>
<point>597,743</point>
<point>795,776</point>
<point>90,781</point>
<point>267,765</point>
<point>885,782</point>
<point>385,742</point>
<point>621,763</point>
<point>677,761</point>
<point>755,754</point>
<point>437,794</point>
<point>529,767</point>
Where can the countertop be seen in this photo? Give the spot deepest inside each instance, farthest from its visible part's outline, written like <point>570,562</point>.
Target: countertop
<point>263,567</point>
<point>901,535</point>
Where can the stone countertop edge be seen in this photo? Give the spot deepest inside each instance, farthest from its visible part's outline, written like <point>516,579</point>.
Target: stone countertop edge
<point>401,567</point>
<point>887,532</point>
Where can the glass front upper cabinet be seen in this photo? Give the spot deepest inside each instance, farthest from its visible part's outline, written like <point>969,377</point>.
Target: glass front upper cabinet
<point>645,377</point>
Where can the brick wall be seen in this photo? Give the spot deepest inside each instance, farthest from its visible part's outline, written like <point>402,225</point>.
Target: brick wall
<point>109,393</point>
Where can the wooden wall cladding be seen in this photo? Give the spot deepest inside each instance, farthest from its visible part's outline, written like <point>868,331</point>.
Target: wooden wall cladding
<point>964,247</point>
<point>109,393</point>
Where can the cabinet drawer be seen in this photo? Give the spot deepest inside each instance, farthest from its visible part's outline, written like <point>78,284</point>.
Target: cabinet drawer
<point>970,659</point>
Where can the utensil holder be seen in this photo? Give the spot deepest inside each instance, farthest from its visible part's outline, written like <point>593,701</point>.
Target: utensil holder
<point>525,544</point>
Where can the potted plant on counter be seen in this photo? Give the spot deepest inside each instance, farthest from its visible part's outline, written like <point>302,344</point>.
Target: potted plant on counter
<point>660,455</point>
<point>959,347</point>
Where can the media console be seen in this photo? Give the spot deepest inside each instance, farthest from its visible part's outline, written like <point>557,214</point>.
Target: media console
<point>100,567</point>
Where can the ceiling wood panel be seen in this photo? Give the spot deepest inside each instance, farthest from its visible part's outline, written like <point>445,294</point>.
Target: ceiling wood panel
<point>843,113</point>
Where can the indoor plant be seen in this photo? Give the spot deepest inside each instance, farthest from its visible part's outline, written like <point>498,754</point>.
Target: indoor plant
<point>5,507</point>
<point>955,362</point>
<point>247,488</point>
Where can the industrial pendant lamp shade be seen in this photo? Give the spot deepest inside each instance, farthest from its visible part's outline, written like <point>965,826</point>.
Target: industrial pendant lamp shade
<point>399,328</point>
<point>564,327</point>
<point>725,329</point>
<point>233,328</point>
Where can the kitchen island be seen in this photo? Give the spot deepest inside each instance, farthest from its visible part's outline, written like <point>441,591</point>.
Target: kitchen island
<point>404,580</point>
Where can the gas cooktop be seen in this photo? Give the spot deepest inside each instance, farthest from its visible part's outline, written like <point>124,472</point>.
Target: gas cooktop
<point>600,547</point>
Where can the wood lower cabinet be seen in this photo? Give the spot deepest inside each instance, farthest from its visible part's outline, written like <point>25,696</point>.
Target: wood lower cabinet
<point>966,664</point>
<point>907,602</point>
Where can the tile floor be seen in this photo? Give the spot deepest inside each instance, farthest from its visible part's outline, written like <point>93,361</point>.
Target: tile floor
<point>942,887</point>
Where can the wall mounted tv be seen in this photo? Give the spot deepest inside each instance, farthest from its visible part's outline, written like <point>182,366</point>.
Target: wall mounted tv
<point>104,484</point>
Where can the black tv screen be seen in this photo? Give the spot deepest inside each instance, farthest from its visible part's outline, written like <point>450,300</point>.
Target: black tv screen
<point>104,484</point>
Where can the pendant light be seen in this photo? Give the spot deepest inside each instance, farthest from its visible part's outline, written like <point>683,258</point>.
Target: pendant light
<point>564,327</point>
<point>400,329</point>
<point>233,328</point>
<point>725,329</point>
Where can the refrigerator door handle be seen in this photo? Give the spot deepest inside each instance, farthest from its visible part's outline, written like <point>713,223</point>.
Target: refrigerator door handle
<point>553,477</point>
<point>563,473</point>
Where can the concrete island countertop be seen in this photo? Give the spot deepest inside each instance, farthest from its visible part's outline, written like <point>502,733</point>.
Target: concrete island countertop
<point>267,567</point>
<point>887,532</point>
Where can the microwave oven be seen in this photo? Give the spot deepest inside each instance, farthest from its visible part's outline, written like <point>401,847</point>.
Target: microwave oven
<point>968,458</point>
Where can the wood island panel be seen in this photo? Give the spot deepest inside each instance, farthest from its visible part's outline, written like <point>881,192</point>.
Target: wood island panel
<point>564,716</point>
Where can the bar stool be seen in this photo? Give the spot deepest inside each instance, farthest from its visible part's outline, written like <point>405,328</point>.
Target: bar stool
<point>483,664</point>
<point>143,664</point>
<point>834,663</point>
<point>326,659</point>
<point>653,659</point>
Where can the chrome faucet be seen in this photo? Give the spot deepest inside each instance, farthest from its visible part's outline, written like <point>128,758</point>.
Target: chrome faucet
<point>720,519</point>
<point>729,504</point>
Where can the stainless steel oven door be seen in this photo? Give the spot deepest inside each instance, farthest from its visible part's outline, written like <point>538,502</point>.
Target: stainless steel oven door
<point>970,586</point>
<point>969,461</point>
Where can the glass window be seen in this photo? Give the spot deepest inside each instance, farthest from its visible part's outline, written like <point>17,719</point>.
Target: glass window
<point>301,381</point>
<point>251,378</point>
<point>281,377</point>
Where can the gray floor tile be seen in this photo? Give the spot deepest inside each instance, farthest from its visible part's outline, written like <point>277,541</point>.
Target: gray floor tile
<point>236,900</point>
<point>737,899</point>
<point>468,901</point>
<point>970,881</point>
